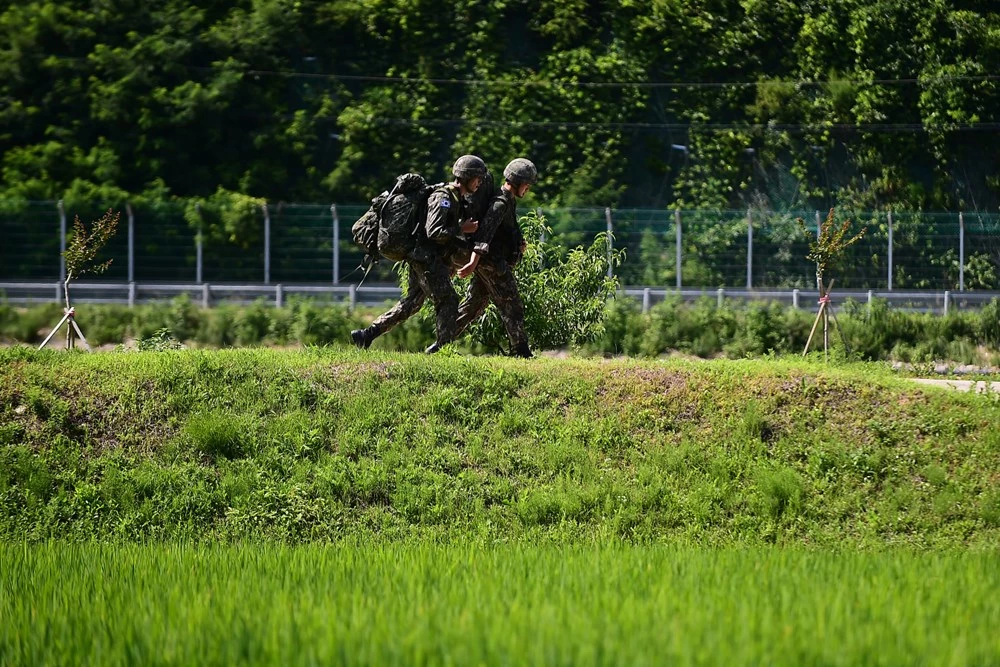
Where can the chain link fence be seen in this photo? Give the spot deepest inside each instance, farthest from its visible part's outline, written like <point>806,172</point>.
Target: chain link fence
<point>311,244</point>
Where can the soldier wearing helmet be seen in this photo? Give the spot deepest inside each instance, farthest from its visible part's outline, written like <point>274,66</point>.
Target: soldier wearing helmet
<point>430,266</point>
<point>447,212</point>
<point>499,245</point>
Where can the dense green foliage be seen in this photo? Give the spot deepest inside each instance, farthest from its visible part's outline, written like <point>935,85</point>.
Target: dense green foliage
<point>317,445</point>
<point>417,603</point>
<point>876,332</point>
<point>862,103</point>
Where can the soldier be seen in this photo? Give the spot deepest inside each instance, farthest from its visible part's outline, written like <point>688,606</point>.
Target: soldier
<point>499,245</point>
<point>430,263</point>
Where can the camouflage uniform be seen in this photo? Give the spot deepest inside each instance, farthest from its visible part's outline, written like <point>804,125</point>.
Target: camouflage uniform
<point>430,268</point>
<point>498,242</point>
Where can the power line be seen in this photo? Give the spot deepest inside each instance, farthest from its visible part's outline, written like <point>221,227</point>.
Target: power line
<point>719,127</point>
<point>614,84</point>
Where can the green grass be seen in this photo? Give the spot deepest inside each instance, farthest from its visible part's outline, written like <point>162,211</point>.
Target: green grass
<point>328,507</point>
<point>321,444</point>
<point>421,603</point>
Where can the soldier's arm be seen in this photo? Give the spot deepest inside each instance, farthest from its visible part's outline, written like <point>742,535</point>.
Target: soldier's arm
<point>489,226</point>
<point>439,227</point>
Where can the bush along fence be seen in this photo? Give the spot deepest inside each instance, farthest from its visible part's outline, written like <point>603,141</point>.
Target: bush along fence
<point>252,241</point>
<point>874,331</point>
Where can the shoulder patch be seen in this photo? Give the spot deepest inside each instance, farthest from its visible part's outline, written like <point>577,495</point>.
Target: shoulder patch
<point>445,203</point>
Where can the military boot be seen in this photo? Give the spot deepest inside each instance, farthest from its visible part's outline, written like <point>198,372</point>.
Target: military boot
<point>521,350</point>
<point>362,338</point>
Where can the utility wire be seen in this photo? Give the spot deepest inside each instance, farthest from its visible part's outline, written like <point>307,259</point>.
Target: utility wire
<point>616,84</point>
<point>780,127</point>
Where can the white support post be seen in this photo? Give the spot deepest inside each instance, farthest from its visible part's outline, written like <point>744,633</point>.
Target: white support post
<point>961,252</point>
<point>720,297</point>
<point>279,296</point>
<point>131,294</point>
<point>677,259</point>
<point>947,301</point>
<point>749,249</point>
<point>645,300</point>
<point>819,224</point>
<point>62,243</point>
<point>795,298</point>
<point>890,252</point>
<point>206,295</point>
<point>131,243</point>
<point>336,244</point>
<point>267,244</point>
<point>352,295</point>
<point>611,239</point>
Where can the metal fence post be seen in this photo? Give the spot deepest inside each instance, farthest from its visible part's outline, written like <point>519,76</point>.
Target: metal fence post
<point>62,241</point>
<point>819,232</point>
<point>206,295</point>
<point>131,243</point>
<point>336,244</point>
<point>749,249</point>
<point>611,240</point>
<point>541,239</point>
<point>720,296</point>
<point>198,246</point>
<point>131,294</point>
<point>795,298</point>
<point>677,232</point>
<point>267,244</point>
<point>947,301</point>
<point>961,252</point>
<point>279,296</point>
<point>890,251</point>
<point>352,295</point>
<point>645,300</point>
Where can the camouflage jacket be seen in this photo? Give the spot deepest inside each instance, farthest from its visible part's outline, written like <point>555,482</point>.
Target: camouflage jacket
<point>445,212</point>
<point>499,236</point>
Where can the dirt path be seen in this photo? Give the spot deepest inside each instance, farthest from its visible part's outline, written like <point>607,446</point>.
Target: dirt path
<point>980,387</point>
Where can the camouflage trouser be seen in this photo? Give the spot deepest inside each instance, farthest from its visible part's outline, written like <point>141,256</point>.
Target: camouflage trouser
<point>494,280</point>
<point>426,280</point>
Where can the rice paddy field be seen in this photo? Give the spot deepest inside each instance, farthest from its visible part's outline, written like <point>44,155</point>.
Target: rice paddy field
<point>325,506</point>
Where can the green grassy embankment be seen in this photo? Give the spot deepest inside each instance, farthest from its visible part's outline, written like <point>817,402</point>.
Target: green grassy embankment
<point>325,445</point>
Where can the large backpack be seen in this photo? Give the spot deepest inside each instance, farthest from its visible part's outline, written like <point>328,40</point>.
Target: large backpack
<point>393,225</point>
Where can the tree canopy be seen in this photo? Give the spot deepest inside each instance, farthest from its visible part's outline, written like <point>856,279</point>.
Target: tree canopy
<point>641,103</point>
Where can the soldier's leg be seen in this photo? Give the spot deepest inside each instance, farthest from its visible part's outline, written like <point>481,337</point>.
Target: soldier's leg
<point>502,287</point>
<point>437,279</point>
<point>404,309</point>
<point>477,297</point>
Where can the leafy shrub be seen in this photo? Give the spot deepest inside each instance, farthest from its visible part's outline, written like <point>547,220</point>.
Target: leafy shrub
<point>161,340</point>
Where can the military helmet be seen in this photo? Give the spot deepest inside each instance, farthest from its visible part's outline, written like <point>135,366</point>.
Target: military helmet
<point>520,170</point>
<point>469,166</point>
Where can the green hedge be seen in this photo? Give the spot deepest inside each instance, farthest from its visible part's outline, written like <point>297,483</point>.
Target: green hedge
<point>875,332</point>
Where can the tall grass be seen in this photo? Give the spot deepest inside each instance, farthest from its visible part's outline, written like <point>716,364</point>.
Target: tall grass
<point>424,603</point>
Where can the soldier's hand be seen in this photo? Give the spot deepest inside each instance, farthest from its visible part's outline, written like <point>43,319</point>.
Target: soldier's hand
<point>470,226</point>
<point>468,269</point>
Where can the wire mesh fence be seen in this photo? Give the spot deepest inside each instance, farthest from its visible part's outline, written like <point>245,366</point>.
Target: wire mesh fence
<point>311,244</point>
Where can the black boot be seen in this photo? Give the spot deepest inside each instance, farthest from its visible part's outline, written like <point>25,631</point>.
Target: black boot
<point>432,348</point>
<point>363,338</point>
<point>522,350</point>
